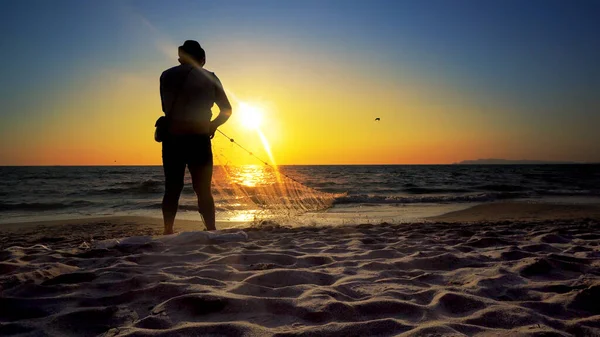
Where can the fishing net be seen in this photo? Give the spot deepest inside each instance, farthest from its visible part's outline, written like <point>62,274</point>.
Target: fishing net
<point>258,190</point>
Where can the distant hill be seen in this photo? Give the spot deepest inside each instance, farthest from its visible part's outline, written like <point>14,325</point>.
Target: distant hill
<point>510,162</point>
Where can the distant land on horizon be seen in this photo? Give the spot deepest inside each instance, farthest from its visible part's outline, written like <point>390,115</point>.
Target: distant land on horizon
<point>492,161</point>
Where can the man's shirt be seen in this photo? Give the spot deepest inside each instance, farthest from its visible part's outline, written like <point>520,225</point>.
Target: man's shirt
<point>188,94</point>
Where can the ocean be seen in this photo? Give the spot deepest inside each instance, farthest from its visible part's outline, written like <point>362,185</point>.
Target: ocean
<point>31,193</point>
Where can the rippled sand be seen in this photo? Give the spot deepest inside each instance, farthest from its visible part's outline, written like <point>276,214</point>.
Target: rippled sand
<point>529,278</point>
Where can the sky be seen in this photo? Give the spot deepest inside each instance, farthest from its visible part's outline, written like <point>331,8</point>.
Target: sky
<point>450,80</point>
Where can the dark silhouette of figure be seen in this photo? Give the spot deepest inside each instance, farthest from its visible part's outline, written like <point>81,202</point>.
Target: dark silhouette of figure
<point>377,119</point>
<point>188,91</point>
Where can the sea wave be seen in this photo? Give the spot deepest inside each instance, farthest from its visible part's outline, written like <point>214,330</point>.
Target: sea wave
<point>571,192</point>
<point>43,206</point>
<point>386,199</point>
<point>194,207</point>
<point>428,190</point>
<point>131,187</point>
<point>501,188</point>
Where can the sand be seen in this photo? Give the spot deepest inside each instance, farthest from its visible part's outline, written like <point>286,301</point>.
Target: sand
<point>521,211</point>
<point>519,277</point>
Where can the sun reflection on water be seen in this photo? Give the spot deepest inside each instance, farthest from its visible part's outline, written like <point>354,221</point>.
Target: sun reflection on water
<point>252,176</point>
<point>258,192</point>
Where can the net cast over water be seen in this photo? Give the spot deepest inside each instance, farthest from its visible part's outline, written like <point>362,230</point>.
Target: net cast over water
<point>261,191</point>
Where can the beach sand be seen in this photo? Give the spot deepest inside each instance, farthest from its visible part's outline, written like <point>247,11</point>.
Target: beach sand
<point>522,211</point>
<point>509,269</point>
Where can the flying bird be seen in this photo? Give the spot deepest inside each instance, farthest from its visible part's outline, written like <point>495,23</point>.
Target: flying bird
<point>377,119</point>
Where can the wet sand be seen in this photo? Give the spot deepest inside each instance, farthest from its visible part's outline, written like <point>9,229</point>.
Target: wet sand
<point>522,211</point>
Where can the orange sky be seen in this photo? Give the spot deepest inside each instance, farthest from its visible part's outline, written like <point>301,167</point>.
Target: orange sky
<point>308,119</point>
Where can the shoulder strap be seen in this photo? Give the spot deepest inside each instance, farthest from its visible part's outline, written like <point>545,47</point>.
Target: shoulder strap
<point>179,89</point>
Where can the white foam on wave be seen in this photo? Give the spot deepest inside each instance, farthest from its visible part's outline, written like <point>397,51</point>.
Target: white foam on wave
<point>353,214</point>
<point>427,198</point>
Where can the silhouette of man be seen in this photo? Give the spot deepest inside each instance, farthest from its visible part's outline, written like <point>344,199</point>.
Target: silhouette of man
<point>188,91</point>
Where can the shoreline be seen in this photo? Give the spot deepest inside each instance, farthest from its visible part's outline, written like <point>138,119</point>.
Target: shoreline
<point>490,211</point>
<point>73,232</point>
<point>521,211</point>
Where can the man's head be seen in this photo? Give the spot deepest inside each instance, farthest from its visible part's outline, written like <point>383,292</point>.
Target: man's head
<point>191,53</point>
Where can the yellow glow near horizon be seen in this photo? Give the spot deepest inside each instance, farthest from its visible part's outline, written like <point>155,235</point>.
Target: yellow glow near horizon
<point>267,148</point>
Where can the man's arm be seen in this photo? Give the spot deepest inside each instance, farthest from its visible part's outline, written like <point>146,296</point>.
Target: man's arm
<point>224,107</point>
<point>163,94</point>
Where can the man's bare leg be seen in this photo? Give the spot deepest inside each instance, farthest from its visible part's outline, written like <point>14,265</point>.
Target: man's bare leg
<point>169,209</point>
<point>206,208</point>
<point>201,181</point>
<point>174,170</point>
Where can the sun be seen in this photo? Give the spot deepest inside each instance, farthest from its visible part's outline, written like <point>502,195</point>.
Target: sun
<point>250,115</point>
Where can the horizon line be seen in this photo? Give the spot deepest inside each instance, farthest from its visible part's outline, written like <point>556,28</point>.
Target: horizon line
<point>366,164</point>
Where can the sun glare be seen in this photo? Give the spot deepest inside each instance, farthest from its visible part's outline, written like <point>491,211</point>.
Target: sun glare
<point>250,115</point>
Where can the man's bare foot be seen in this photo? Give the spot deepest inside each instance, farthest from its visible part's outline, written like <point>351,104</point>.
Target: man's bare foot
<point>168,231</point>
